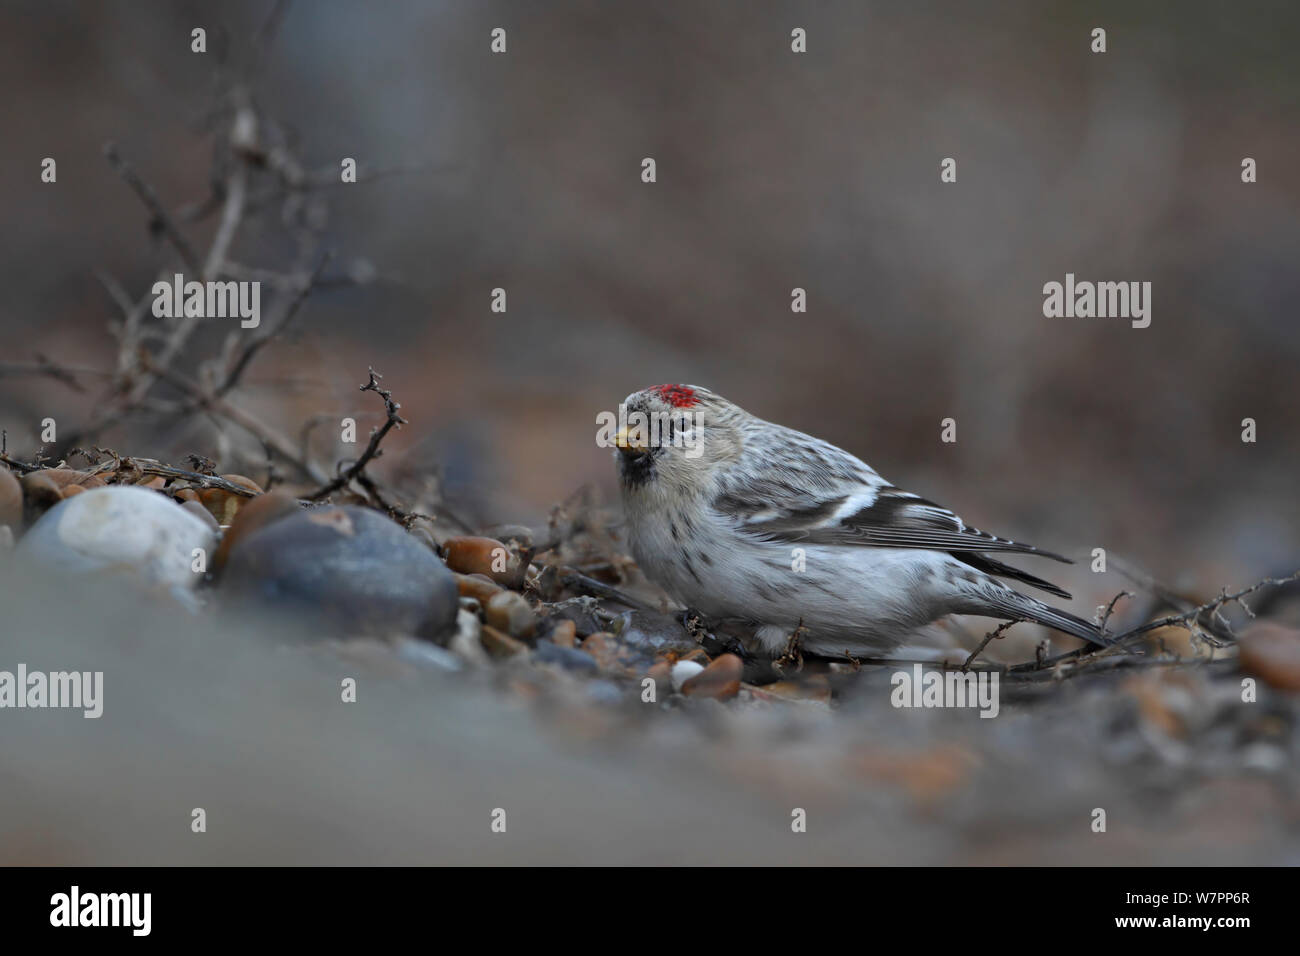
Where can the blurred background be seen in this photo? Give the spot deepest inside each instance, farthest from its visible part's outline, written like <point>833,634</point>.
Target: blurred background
<point>775,170</point>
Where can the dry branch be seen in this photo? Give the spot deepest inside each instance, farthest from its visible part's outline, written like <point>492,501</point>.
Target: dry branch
<point>372,451</point>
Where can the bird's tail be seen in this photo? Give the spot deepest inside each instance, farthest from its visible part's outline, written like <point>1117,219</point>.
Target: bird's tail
<point>1013,604</point>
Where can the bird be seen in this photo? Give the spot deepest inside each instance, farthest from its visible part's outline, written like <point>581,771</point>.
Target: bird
<point>738,518</point>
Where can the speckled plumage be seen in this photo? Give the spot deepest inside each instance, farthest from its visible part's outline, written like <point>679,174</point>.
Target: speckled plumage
<point>722,533</point>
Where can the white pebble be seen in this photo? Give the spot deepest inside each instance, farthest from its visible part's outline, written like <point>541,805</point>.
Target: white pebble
<point>684,671</point>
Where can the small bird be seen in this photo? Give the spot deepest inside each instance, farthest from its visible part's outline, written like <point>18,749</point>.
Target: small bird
<point>739,518</point>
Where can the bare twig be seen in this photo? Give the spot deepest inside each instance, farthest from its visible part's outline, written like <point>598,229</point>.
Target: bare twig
<point>43,366</point>
<point>273,328</point>
<point>151,466</point>
<point>372,450</point>
<point>264,433</point>
<point>1188,620</point>
<point>988,639</point>
<point>1104,618</point>
<point>162,220</point>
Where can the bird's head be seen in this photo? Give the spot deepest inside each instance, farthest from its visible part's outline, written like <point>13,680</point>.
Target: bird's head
<point>673,436</point>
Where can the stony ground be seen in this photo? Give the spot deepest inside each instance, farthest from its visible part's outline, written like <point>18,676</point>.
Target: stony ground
<point>503,675</point>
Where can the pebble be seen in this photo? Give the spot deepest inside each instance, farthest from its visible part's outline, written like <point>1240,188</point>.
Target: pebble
<point>683,671</point>
<point>720,680</point>
<point>1271,652</point>
<point>65,477</point>
<point>662,674</point>
<point>582,612</point>
<point>564,634</point>
<point>194,508</point>
<point>120,528</point>
<point>424,531</point>
<point>605,649</point>
<point>653,634</point>
<point>477,586</point>
<point>566,657</point>
<point>509,611</point>
<point>351,569</point>
<point>258,513</point>
<point>500,644</point>
<point>466,642</point>
<point>425,653</point>
<point>11,499</point>
<point>223,504</point>
<point>475,555</point>
<point>40,494</point>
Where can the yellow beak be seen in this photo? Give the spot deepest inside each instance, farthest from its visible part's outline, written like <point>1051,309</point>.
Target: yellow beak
<point>629,443</point>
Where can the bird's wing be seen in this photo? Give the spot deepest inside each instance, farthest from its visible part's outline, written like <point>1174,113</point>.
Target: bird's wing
<point>798,489</point>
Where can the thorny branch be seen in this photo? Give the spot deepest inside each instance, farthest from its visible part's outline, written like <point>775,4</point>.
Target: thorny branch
<point>392,420</point>
<point>254,167</point>
<point>989,638</point>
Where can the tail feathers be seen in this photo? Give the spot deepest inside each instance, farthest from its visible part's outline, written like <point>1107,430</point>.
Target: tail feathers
<point>996,568</point>
<point>1016,605</point>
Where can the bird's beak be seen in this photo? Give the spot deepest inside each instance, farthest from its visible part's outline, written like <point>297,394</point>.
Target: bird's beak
<point>629,443</point>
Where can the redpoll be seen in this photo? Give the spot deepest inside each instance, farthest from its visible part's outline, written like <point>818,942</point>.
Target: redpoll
<point>739,518</point>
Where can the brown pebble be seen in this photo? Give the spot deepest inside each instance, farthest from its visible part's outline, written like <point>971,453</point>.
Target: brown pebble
<point>40,494</point>
<point>187,494</point>
<point>720,680</point>
<point>604,647</point>
<point>258,513</point>
<point>662,674</point>
<point>509,612</point>
<point>223,504</point>
<point>478,586</point>
<point>62,477</point>
<point>11,499</point>
<point>1271,652</point>
<point>565,634</point>
<point>810,688</point>
<point>475,555</point>
<point>499,644</point>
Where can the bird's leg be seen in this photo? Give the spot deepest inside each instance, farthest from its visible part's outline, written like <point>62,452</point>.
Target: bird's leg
<point>695,623</point>
<point>705,633</point>
<point>793,656</point>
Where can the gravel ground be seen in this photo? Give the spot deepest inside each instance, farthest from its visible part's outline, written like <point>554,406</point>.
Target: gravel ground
<point>238,710</point>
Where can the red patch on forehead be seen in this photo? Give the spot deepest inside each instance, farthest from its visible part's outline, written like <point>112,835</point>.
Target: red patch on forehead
<point>678,396</point>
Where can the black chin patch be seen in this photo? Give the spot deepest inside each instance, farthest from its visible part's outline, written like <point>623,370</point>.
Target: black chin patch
<point>637,469</point>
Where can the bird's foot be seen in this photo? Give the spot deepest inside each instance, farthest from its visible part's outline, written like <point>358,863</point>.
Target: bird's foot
<point>792,660</point>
